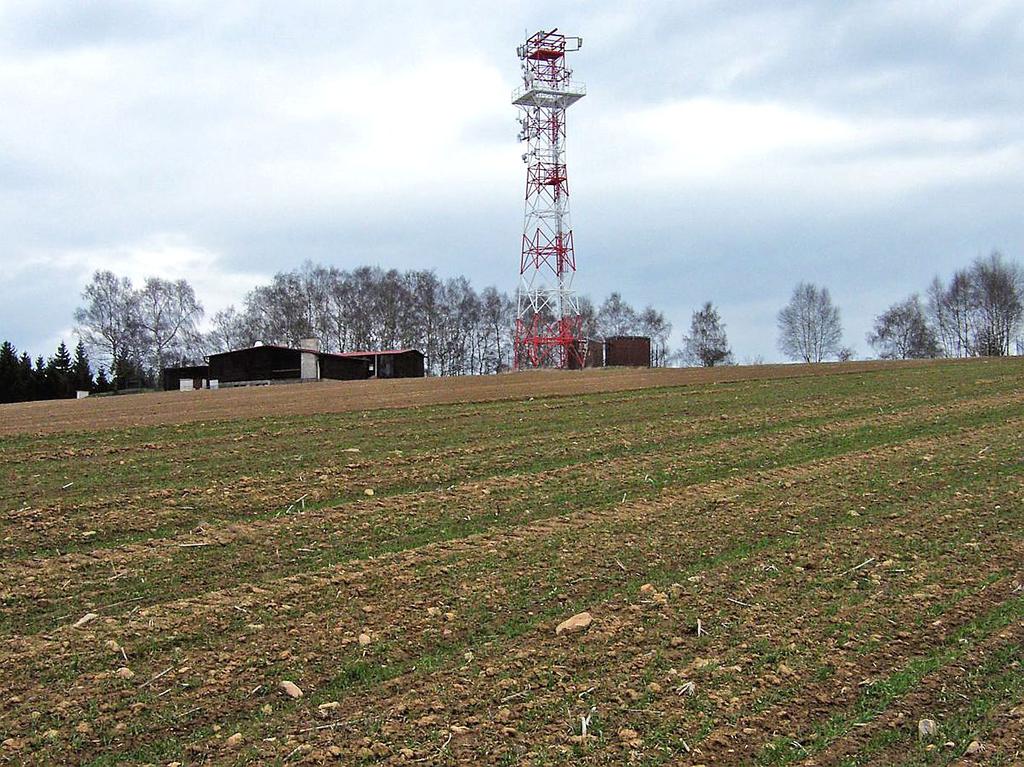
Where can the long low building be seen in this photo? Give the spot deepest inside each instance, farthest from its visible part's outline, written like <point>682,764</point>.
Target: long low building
<point>270,363</point>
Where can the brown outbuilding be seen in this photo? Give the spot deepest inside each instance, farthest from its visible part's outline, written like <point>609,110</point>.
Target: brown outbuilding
<point>627,351</point>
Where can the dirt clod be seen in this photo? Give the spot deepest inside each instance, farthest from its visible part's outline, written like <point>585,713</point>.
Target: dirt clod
<point>630,737</point>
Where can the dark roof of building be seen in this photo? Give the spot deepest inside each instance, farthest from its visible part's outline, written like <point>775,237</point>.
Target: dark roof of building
<point>186,368</point>
<point>382,352</point>
<point>281,348</point>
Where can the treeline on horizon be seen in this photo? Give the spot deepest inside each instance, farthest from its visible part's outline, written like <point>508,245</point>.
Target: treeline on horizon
<point>461,331</point>
<point>979,312</point>
<point>136,332</point>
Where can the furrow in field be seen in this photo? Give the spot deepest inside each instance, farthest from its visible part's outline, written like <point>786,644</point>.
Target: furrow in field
<point>159,494</point>
<point>463,689</point>
<point>952,685</point>
<point>637,660</point>
<point>324,537</point>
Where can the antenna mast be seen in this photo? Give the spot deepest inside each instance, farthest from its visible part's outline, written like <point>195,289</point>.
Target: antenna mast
<point>548,322</point>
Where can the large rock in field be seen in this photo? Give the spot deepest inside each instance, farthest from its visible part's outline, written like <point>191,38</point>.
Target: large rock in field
<point>575,624</point>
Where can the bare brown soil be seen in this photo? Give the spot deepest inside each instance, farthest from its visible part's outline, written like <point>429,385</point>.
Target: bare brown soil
<point>791,570</point>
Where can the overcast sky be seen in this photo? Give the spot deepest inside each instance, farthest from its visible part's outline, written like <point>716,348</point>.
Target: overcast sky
<point>725,150</point>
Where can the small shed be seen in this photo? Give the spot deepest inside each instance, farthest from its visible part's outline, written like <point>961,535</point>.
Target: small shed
<point>185,378</point>
<point>627,351</point>
<point>395,363</point>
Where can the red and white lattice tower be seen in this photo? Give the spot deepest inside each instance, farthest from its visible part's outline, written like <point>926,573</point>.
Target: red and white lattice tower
<point>548,323</point>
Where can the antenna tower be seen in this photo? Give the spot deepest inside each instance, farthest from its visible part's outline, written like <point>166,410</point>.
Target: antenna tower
<point>548,323</point>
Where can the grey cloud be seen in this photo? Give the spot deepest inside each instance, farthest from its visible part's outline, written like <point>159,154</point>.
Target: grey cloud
<point>179,127</point>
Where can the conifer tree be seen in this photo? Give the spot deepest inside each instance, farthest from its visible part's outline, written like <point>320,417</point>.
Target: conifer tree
<point>40,380</point>
<point>102,383</point>
<point>81,373</point>
<point>125,372</point>
<point>58,372</point>
<point>707,343</point>
<point>26,378</point>
<point>9,373</point>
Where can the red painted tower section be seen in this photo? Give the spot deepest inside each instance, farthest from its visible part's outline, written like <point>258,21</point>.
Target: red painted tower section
<point>548,324</point>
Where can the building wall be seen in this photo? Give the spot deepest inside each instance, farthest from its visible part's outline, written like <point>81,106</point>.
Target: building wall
<point>595,354</point>
<point>408,364</point>
<point>309,370</point>
<point>343,368</point>
<point>260,363</point>
<point>274,363</point>
<point>171,378</point>
<point>627,351</point>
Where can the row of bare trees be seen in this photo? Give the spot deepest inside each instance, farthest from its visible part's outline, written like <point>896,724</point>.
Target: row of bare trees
<point>978,312</point>
<point>461,330</point>
<point>809,326</point>
<point>615,317</point>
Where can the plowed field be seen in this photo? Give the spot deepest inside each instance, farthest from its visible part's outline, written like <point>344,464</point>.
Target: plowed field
<point>782,565</point>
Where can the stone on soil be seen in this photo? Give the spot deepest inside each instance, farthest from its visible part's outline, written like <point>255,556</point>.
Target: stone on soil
<point>927,728</point>
<point>291,689</point>
<point>575,624</point>
<point>87,618</point>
